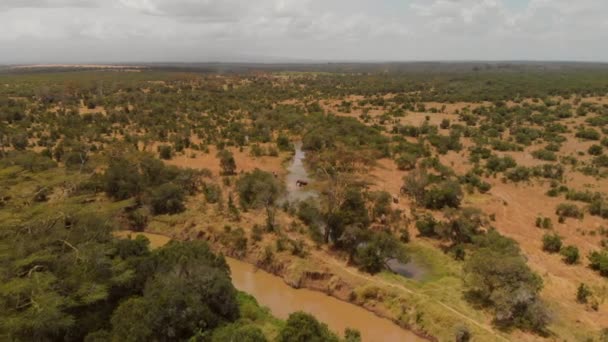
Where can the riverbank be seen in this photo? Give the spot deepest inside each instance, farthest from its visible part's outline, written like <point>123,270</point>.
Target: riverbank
<point>285,290</point>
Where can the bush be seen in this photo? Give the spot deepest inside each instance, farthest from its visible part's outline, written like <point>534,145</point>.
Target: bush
<point>426,225</point>
<point>167,199</point>
<point>569,210</point>
<point>165,152</point>
<point>19,142</point>
<point>599,262</point>
<point>372,256</point>
<point>257,189</point>
<point>497,276</point>
<point>227,162</point>
<point>497,164</point>
<point>445,124</point>
<point>595,150</point>
<point>518,174</point>
<point>544,155</point>
<point>552,243</point>
<point>588,134</point>
<point>446,194</point>
<point>283,143</point>
<point>212,192</point>
<point>303,327</point>
<point>599,207</point>
<point>570,254</point>
<point>406,161</point>
<point>237,332</point>
<point>122,179</point>
<point>583,293</point>
<point>601,161</point>
<point>463,334</point>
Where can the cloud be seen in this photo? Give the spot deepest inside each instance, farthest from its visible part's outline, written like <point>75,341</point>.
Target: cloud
<point>9,4</point>
<point>307,29</point>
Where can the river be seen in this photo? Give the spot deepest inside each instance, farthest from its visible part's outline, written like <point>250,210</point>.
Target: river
<point>272,292</point>
<point>297,171</point>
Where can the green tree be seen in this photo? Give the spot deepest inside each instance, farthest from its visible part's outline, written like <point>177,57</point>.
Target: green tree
<point>227,162</point>
<point>167,199</point>
<point>599,262</point>
<point>19,141</point>
<point>583,293</point>
<point>238,332</point>
<point>497,276</point>
<point>352,335</point>
<point>552,243</point>
<point>595,150</point>
<point>165,152</point>
<point>445,194</point>
<point>122,179</point>
<point>259,189</point>
<point>303,327</point>
<point>374,253</point>
<point>570,254</point>
<point>190,292</point>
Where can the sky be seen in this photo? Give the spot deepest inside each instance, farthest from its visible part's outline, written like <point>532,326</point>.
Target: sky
<point>114,31</point>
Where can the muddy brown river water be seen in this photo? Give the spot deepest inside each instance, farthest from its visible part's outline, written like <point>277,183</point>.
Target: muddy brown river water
<point>272,292</point>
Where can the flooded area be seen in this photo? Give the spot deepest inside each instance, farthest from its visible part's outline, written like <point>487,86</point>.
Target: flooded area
<point>297,172</point>
<point>272,292</point>
<point>411,269</point>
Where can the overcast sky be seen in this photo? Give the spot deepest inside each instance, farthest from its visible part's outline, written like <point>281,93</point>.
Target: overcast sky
<point>78,31</point>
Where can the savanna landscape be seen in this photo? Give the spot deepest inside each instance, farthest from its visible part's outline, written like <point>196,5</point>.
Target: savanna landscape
<point>210,202</point>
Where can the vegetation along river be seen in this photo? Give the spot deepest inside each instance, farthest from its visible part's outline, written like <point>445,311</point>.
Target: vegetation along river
<point>272,292</point>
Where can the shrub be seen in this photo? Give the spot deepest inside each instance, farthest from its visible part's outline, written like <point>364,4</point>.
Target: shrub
<point>599,262</point>
<point>552,243</point>
<point>588,134</point>
<point>445,194</point>
<point>256,150</point>
<point>583,196</point>
<point>427,225</point>
<point>445,124</point>
<point>583,293</point>
<point>406,161</point>
<point>498,164</point>
<point>19,142</point>
<point>569,210</point>
<point>303,327</point>
<point>463,334</point>
<point>601,161</point>
<point>599,207</point>
<point>570,254</point>
<point>212,192</point>
<point>167,199</point>
<point>227,162</point>
<point>544,155</point>
<point>518,174</point>
<point>595,150</point>
<point>165,152</point>
<point>497,276</point>
<point>283,143</point>
<point>257,189</point>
